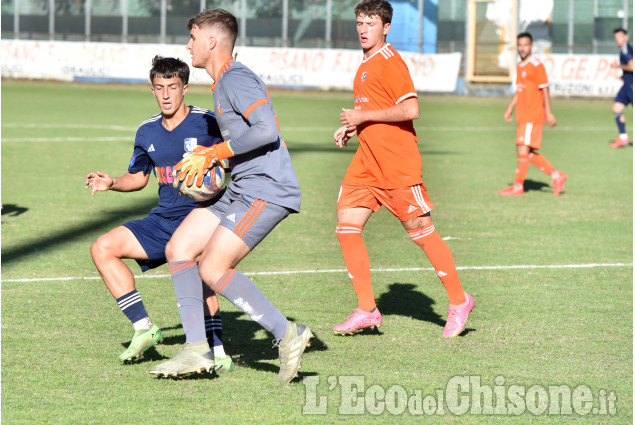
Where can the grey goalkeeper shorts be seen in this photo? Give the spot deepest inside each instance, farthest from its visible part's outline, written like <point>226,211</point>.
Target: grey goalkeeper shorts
<point>250,219</point>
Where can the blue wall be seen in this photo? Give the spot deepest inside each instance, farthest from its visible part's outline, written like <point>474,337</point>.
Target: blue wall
<point>405,26</point>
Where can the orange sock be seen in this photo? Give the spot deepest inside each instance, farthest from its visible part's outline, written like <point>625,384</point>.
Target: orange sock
<point>441,258</point>
<point>541,163</point>
<point>521,169</point>
<point>357,263</point>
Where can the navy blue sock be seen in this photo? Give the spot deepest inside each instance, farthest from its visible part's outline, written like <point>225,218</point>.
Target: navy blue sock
<point>621,126</point>
<point>214,330</point>
<point>132,306</point>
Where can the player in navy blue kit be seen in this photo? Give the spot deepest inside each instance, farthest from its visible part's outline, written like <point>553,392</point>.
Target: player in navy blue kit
<point>264,190</point>
<point>160,144</point>
<point>625,95</point>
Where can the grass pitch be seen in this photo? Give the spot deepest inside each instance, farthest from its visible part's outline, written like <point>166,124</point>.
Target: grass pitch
<point>552,276</point>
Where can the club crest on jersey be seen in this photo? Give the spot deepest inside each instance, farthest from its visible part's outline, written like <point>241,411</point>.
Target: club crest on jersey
<point>218,108</point>
<point>364,74</point>
<point>190,143</point>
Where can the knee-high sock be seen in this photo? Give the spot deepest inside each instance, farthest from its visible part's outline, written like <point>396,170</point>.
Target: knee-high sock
<point>541,163</point>
<point>357,263</point>
<point>131,305</point>
<point>440,256</point>
<point>188,288</point>
<point>521,169</point>
<point>621,122</point>
<point>245,295</point>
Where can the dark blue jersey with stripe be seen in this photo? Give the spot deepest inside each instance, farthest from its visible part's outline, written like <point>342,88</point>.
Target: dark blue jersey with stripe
<point>626,55</point>
<point>158,150</point>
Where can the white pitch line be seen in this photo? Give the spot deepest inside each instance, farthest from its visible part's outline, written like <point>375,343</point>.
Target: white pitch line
<point>65,139</point>
<point>290,272</point>
<point>87,126</point>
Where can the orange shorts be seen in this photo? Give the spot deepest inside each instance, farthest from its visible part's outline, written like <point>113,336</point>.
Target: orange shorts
<point>405,203</point>
<point>529,134</point>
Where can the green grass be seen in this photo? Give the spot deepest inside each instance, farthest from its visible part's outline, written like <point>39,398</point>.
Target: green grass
<point>532,326</point>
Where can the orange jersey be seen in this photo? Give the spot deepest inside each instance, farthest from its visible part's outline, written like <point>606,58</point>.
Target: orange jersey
<point>531,78</point>
<point>387,156</point>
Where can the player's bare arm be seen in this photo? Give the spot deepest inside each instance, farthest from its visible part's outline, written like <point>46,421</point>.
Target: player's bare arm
<point>626,68</point>
<point>510,108</point>
<point>551,120</point>
<point>129,182</point>
<point>343,134</point>
<point>406,110</point>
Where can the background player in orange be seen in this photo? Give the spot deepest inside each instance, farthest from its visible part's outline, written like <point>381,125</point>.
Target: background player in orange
<point>386,170</point>
<point>533,108</point>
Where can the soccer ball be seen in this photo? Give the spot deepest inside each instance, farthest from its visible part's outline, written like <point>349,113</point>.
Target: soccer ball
<point>212,184</point>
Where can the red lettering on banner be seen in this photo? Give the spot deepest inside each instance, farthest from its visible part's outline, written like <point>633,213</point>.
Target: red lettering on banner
<point>581,71</point>
<point>548,62</point>
<point>568,69</point>
<point>603,66</point>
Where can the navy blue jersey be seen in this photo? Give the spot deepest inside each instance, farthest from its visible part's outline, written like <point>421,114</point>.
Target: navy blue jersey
<point>261,167</point>
<point>626,55</point>
<point>158,150</point>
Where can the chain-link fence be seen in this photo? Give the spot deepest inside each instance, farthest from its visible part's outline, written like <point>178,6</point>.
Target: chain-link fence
<point>580,26</point>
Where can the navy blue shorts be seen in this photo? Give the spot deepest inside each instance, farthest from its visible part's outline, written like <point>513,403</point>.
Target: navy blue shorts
<point>153,233</point>
<point>625,95</point>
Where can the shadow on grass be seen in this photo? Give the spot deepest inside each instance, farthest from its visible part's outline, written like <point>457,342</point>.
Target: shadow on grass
<point>13,209</point>
<point>531,185</point>
<point>241,343</point>
<point>404,299</point>
<point>110,219</point>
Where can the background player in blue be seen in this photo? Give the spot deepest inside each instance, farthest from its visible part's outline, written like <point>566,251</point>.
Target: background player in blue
<point>625,95</point>
<point>160,143</point>
<point>263,191</point>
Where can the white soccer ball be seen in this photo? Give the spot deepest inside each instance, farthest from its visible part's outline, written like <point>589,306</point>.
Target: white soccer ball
<point>212,185</point>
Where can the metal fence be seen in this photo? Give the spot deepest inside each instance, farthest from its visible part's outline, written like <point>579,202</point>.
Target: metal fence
<point>580,26</point>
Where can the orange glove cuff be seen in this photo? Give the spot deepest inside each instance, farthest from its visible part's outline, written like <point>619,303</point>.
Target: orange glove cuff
<point>223,150</point>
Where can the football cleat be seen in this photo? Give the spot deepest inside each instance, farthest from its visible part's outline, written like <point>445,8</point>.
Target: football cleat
<point>290,349</point>
<point>223,364</point>
<point>512,191</point>
<point>558,183</point>
<point>359,320</point>
<point>141,341</point>
<point>619,142</point>
<point>457,316</point>
<point>184,363</point>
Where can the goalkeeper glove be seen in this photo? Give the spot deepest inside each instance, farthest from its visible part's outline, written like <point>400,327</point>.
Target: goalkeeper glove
<point>200,160</point>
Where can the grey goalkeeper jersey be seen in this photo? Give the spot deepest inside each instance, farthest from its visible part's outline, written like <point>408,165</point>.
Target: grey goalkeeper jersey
<point>261,166</point>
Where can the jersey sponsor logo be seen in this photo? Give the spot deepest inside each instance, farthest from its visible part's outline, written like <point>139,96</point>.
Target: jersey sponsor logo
<point>411,208</point>
<point>151,148</point>
<point>364,75</point>
<point>224,133</point>
<point>164,175</point>
<point>231,217</point>
<point>218,107</point>
<point>131,161</point>
<point>190,143</point>
<point>361,99</point>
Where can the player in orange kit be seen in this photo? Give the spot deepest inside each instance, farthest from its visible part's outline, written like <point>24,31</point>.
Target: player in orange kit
<point>533,109</point>
<point>386,170</point>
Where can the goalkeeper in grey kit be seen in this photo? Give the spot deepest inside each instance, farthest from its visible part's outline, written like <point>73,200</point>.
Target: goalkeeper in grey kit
<point>264,190</point>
